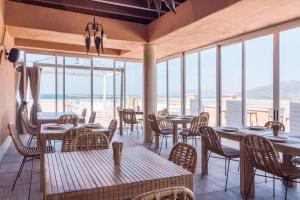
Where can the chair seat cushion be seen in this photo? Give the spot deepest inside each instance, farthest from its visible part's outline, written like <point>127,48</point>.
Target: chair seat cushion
<point>231,152</point>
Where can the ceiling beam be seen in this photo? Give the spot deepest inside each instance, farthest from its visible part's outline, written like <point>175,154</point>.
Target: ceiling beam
<point>130,4</point>
<point>90,8</point>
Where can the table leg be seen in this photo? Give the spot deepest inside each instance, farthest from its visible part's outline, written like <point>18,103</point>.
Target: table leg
<point>156,141</point>
<point>246,172</point>
<point>121,122</point>
<point>42,143</point>
<point>287,160</point>
<point>204,158</point>
<point>175,133</point>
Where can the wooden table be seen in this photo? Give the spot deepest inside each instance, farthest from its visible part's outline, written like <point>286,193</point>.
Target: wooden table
<point>53,117</point>
<point>288,149</point>
<point>50,134</point>
<point>92,174</point>
<point>175,122</point>
<point>120,112</point>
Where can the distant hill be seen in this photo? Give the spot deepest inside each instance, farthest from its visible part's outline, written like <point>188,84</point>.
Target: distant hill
<point>288,89</point>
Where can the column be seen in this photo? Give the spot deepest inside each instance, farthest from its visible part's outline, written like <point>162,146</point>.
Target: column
<point>149,88</point>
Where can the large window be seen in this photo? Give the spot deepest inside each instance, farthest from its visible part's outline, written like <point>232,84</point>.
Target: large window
<point>231,84</point>
<point>77,84</point>
<point>71,83</point>
<point>290,79</point>
<point>174,86</point>
<point>161,76</point>
<point>259,80</point>
<point>134,85</point>
<point>192,84</point>
<point>208,84</point>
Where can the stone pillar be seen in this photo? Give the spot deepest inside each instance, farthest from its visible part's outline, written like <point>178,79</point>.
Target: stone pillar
<point>149,88</point>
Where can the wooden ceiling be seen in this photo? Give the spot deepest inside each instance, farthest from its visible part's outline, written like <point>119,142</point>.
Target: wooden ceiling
<point>129,10</point>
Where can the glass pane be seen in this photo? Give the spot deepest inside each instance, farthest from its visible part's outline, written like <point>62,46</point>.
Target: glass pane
<point>77,62</point>
<point>60,84</point>
<point>231,84</point>
<point>208,84</point>
<point>103,62</point>
<point>290,79</point>
<point>103,86</point>
<point>161,74</point>
<point>174,86</point>
<point>77,89</point>
<point>259,80</point>
<point>134,85</point>
<point>192,84</point>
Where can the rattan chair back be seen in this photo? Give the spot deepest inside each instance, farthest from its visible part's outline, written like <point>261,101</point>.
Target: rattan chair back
<point>92,117</point>
<point>196,123</point>
<point>163,113</point>
<point>184,155</point>
<point>211,140</point>
<point>26,125</point>
<point>21,148</point>
<point>69,138</point>
<point>112,128</point>
<point>206,115</point>
<point>272,124</point>
<point>91,141</point>
<point>68,119</point>
<point>129,116</point>
<point>174,193</point>
<point>262,154</point>
<point>154,123</point>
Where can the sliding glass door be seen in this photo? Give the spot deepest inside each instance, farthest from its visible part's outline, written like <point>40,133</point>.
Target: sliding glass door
<point>259,80</point>
<point>231,85</point>
<point>208,78</point>
<point>289,79</point>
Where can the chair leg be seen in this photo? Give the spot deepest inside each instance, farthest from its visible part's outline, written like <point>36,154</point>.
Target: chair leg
<point>161,144</point>
<point>225,166</point>
<point>166,142</point>
<point>273,186</point>
<point>266,177</point>
<point>228,167</point>
<point>252,178</point>
<point>207,164</point>
<point>19,173</point>
<point>151,141</point>
<point>286,189</point>
<point>30,179</point>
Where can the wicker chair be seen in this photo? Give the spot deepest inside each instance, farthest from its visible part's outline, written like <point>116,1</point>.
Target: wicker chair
<point>112,129</point>
<point>158,131</point>
<point>92,117</point>
<point>83,113</point>
<point>129,117</point>
<point>193,131</point>
<point>162,123</point>
<point>263,156</point>
<point>69,138</point>
<point>205,114</point>
<point>272,124</point>
<point>213,144</point>
<point>68,119</point>
<point>91,141</point>
<point>29,128</point>
<point>175,193</point>
<point>28,153</point>
<point>184,155</point>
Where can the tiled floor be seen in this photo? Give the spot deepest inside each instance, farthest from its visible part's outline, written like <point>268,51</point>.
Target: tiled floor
<point>206,188</point>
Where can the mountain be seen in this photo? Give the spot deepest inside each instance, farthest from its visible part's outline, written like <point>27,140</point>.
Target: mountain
<point>288,90</point>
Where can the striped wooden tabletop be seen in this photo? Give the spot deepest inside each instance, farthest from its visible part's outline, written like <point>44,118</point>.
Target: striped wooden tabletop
<point>93,175</point>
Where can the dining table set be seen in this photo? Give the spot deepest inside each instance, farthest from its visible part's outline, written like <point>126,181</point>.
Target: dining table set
<point>113,173</point>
